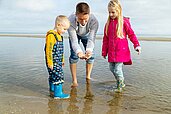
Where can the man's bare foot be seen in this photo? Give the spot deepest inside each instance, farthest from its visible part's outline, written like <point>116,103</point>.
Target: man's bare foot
<point>88,80</point>
<point>74,85</point>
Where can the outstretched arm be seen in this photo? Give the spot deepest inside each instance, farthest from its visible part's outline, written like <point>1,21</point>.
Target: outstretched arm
<point>133,38</point>
<point>92,35</point>
<point>74,40</point>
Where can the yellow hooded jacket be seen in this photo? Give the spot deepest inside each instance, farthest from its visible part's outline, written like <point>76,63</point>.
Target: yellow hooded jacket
<point>50,41</point>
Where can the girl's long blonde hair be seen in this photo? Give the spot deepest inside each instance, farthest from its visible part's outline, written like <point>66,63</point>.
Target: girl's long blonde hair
<point>116,4</point>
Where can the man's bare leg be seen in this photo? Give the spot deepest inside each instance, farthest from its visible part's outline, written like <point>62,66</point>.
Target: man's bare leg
<point>88,70</point>
<point>73,68</point>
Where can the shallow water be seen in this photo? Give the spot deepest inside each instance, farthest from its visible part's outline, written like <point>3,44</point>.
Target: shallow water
<point>24,88</point>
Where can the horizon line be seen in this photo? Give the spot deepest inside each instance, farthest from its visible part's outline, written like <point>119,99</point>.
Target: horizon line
<point>141,38</point>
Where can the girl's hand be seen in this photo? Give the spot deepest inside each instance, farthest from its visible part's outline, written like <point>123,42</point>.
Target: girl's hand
<point>63,64</point>
<point>138,49</point>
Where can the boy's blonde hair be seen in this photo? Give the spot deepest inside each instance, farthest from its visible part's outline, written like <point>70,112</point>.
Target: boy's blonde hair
<point>62,19</point>
<point>116,4</point>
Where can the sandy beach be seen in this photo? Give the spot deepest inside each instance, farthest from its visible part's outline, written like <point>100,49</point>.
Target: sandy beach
<point>24,87</point>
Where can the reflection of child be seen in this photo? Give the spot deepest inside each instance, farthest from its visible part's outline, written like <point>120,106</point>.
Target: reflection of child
<point>115,43</point>
<point>54,56</point>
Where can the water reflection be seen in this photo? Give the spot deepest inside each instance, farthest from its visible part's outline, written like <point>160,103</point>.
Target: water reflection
<point>24,74</point>
<point>72,107</point>
<point>55,106</point>
<point>115,104</point>
<point>88,103</point>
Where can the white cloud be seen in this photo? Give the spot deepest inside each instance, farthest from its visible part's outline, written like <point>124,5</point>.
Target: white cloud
<point>35,5</point>
<point>147,16</point>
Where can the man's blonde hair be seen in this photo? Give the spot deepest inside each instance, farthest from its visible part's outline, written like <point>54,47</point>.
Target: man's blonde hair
<point>116,4</point>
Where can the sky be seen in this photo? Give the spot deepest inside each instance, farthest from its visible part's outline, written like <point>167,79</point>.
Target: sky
<point>148,17</point>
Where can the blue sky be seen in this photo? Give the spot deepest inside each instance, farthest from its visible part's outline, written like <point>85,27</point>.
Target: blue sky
<point>37,16</point>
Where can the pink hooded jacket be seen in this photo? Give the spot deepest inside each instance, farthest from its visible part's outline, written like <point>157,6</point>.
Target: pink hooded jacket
<point>117,49</point>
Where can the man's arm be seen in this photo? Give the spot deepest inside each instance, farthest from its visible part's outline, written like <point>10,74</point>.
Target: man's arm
<point>93,30</point>
<point>74,40</point>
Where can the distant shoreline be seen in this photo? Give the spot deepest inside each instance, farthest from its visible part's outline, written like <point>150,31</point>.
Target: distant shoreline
<point>98,37</point>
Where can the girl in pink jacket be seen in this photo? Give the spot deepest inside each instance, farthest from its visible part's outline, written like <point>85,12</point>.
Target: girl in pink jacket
<point>115,42</point>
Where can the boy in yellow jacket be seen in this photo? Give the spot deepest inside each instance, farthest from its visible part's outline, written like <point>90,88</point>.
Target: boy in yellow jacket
<point>54,51</point>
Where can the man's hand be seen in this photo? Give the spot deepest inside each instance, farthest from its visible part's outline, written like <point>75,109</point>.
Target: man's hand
<point>88,55</point>
<point>81,55</point>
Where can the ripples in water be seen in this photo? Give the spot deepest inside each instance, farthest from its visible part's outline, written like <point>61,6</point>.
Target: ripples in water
<point>23,81</point>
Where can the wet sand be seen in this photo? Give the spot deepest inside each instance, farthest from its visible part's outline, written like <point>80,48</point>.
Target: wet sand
<point>24,87</point>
